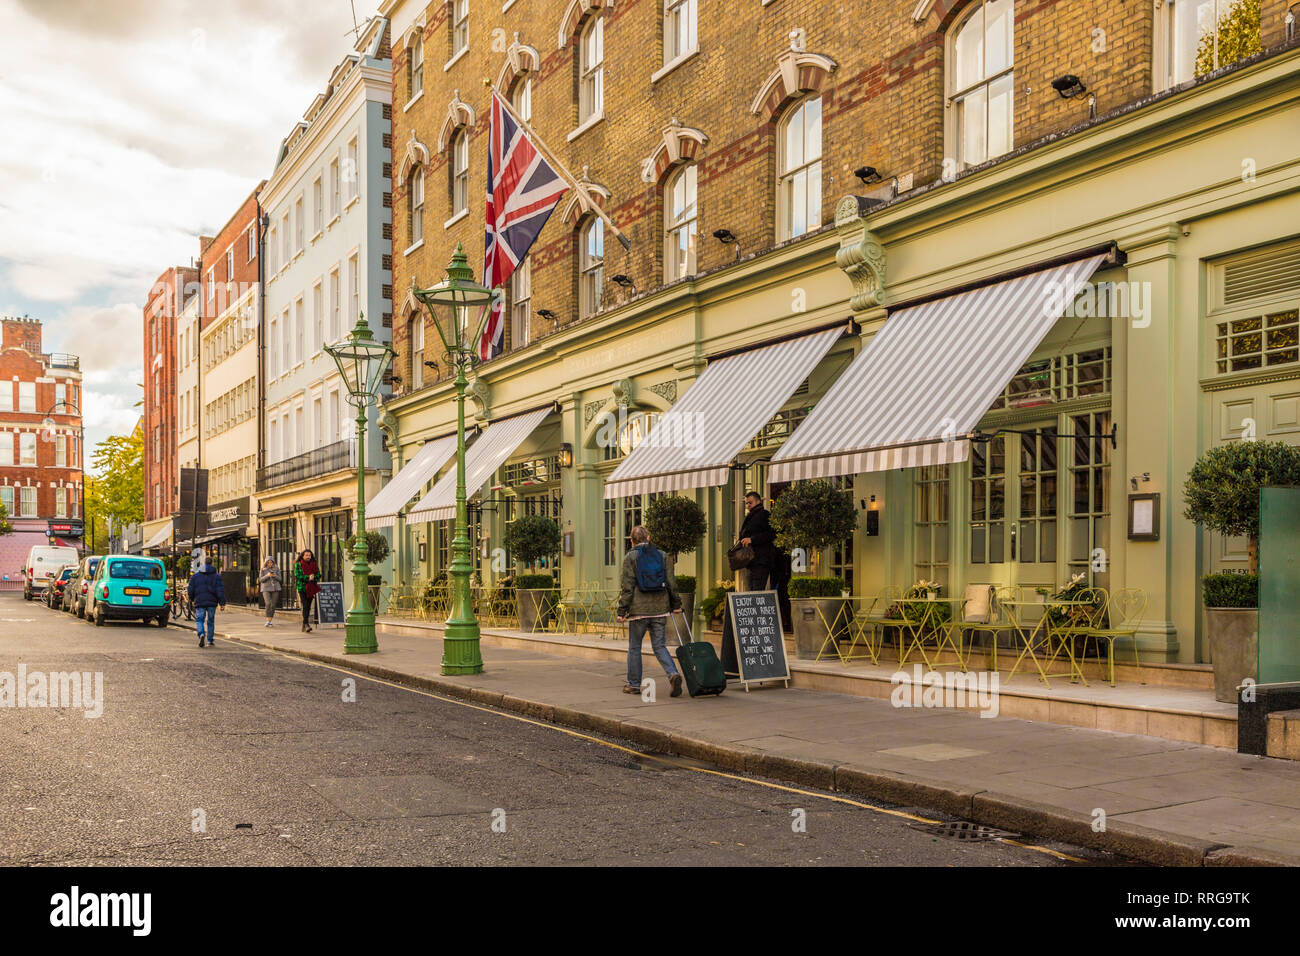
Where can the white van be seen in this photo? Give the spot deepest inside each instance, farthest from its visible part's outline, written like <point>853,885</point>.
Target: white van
<point>44,562</point>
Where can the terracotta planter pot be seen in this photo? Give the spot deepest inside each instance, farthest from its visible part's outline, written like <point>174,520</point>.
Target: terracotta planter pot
<point>1233,634</point>
<point>811,629</point>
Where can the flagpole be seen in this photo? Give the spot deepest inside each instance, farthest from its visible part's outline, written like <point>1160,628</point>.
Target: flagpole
<point>563,170</point>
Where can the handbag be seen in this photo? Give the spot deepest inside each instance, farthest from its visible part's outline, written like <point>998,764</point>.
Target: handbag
<point>740,556</point>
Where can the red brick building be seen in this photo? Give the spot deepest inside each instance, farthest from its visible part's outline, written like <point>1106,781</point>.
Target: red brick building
<point>40,442</point>
<point>165,303</point>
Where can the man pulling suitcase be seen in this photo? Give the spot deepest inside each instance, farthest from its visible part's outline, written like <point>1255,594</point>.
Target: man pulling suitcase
<point>647,597</point>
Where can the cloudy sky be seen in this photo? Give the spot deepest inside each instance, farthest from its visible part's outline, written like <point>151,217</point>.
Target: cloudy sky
<point>132,127</point>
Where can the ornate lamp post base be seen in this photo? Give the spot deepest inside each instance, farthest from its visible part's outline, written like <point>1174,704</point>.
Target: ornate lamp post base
<point>460,649</point>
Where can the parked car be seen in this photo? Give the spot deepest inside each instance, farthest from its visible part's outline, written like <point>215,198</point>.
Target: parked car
<point>42,564</point>
<point>58,584</point>
<point>127,587</point>
<point>80,586</point>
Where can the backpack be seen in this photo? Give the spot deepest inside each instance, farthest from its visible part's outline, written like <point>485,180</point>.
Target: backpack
<point>651,575</point>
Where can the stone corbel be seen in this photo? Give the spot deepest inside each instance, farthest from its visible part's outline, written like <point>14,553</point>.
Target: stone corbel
<point>623,392</point>
<point>860,256</point>
<point>481,394</point>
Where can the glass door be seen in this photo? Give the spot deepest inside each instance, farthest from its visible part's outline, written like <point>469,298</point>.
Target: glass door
<point>1014,527</point>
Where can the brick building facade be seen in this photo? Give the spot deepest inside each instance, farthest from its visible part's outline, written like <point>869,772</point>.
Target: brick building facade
<point>40,429</point>
<point>722,106</point>
<point>167,299</point>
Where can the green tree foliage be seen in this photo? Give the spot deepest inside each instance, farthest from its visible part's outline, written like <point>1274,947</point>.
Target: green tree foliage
<point>116,489</point>
<point>1222,489</point>
<point>376,547</point>
<point>813,515</point>
<point>1237,35</point>
<point>530,538</point>
<point>676,524</point>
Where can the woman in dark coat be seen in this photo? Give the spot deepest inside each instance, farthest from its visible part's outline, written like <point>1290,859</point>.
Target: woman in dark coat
<point>306,574</point>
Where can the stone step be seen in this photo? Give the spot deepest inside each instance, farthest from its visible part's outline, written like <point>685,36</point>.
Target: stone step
<point>1284,734</point>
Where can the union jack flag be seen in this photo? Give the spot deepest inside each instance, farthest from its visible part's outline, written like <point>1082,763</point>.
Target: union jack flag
<point>523,189</point>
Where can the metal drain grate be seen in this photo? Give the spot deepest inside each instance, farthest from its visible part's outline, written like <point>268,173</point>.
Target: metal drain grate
<point>963,830</point>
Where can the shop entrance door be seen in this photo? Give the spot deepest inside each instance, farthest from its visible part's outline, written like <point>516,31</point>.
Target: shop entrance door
<point>1014,524</point>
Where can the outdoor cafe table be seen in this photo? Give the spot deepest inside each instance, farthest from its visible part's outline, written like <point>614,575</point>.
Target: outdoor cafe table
<point>1038,631</point>
<point>929,621</point>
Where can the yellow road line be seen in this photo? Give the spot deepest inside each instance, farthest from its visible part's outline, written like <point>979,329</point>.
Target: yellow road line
<point>637,753</point>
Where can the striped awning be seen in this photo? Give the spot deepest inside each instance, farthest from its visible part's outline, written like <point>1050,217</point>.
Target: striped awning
<point>383,508</point>
<point>486,455</point>
<point>693,444</point>
<point>920,386</point>
<point>160,537</point>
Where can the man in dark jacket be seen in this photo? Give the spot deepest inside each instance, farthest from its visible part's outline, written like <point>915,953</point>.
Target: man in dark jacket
<point>758,534</point>
<point>647,611</point>
<point>206,592</point>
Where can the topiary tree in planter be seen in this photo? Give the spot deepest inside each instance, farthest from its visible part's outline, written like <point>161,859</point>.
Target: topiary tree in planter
<point>1222,493</point>
<point>376,548</point>
<point>529,539</point>
<point>1222,489</point>
<point>676,524</point>
<point>814,515</point>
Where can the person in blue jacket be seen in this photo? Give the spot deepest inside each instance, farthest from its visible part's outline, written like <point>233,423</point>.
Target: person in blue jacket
<point>206,592</point>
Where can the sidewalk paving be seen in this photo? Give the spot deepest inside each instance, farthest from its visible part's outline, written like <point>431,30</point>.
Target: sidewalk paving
<point>1163,801</point>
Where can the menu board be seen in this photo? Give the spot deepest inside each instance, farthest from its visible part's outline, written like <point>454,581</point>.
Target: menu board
<point>755,618</point>
<point>329,603</point>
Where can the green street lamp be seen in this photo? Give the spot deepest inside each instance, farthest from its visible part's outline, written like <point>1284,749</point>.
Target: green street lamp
<point>457,305</point>
<point>361,361</point>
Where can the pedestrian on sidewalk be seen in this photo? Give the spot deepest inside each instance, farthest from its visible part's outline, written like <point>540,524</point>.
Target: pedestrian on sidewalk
<point>757,533</point>
<point>270,583</point>
<point>305,576</point>
<point>648,596</point>
<point>206,592</point>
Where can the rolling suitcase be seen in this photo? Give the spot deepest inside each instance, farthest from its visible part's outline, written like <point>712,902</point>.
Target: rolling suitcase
<point>700,665</point>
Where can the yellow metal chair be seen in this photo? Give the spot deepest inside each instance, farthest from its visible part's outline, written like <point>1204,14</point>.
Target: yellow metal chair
<point>843,625</point>
<point>1126,609</point>
<point>1079,622</point>
<point>977,609</point>
<point>875,618</point>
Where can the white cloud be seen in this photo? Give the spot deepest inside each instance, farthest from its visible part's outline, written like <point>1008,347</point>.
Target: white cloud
<point>132,128</point>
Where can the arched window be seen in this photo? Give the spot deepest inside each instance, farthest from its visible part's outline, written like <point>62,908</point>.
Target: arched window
<point>591,69</point>
<point>417,352</point>
<point>460,173</point>
<point>799,169</point>
<point>591,265</point>
<point>680,215</point>
<point>981,83</point>
<point>415,66</point>
<point>415,207</point>
<point>521,98</point>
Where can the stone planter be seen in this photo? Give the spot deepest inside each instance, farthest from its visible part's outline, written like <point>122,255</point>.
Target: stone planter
<point>1233,636</point>
<point>811,628</point>
<point>536,608</point>
<point>688,608</point>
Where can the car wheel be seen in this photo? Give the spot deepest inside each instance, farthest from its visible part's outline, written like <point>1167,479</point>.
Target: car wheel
<point>162,619</point>
<point>99,617</point>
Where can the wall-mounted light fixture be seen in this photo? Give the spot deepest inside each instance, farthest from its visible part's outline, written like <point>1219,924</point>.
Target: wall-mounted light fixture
<point>624,282</point>
<point>566,455</point>
<point>727,238</point>
<point>1069,86</point>
<point>548,315</point>
<point>868,175</point>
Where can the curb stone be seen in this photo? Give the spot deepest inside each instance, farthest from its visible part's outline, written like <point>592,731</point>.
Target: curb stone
<point>1003,811</point>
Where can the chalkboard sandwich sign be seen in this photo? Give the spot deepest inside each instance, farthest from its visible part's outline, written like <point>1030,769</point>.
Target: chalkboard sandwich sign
<point>755,618</point>
<point>329,603</point>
